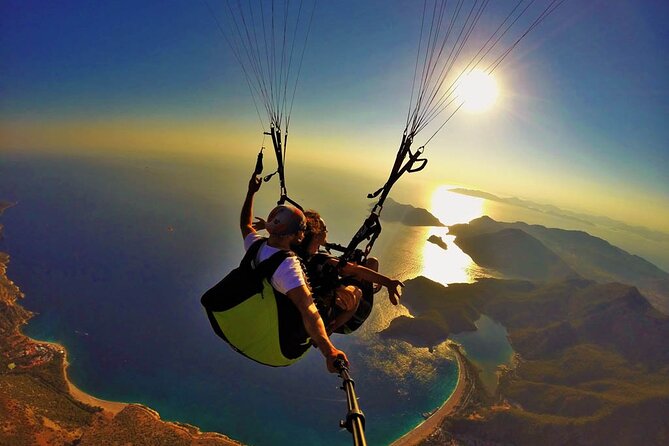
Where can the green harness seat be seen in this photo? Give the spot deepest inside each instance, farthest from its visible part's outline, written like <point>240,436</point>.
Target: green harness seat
<point>254,318</point>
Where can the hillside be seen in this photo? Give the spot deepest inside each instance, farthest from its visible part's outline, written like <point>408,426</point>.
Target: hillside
<point>593,367</point>
<point>516,254</point>
<point>587,256</point>
<point>581,218</point>
<point>408,215</point>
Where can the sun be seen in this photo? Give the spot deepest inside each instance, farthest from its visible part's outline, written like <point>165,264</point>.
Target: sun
<point>477,90</point>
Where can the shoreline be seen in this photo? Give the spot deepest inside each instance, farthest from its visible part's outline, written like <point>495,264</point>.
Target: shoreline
<point>131,421</point>
<point>423,431</point>
<point>42,404</point>
<point>111,407</point>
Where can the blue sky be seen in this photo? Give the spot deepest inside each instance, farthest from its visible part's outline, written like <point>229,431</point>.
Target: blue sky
<point>580,122</point>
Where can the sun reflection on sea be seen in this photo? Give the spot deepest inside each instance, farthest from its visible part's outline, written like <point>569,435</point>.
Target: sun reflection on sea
<point>452,208</point>
<point>450,265</point>
<point>405,253</point>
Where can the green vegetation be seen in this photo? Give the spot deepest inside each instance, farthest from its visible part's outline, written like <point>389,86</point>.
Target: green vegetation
<point>593,365</point>
<point>435,317</point>
<point>592,361</point>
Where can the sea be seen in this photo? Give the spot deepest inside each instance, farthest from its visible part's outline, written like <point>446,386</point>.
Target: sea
<point>113,253</point>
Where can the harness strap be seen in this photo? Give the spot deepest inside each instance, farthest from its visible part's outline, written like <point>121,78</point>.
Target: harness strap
<point>268,266</point>
<point>251,253</point>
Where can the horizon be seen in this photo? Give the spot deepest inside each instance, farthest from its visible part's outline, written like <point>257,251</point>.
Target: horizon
<point>452,203</point>
<point>158,80</point>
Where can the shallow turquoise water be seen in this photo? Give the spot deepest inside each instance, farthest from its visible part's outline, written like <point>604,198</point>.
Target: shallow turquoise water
<point>488,347</point>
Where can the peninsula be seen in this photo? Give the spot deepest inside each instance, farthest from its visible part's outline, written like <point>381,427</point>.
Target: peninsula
<point>591,364</point>
<point>591,361</point>
<point>534,252</point>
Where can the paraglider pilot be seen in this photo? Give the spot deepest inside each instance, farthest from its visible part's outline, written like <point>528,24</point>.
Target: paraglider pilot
<point>286,226</point>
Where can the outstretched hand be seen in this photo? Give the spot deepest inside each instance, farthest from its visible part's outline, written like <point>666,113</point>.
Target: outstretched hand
<point>394,292</point>
<point>254,183</point>
<point>260,224</point>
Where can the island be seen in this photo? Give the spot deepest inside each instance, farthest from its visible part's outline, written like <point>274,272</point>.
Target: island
<point>437,241</point>
<point>408,214</point>
<point>39,405</point>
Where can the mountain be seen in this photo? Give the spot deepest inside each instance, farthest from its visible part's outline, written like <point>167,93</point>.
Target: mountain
<point>408,214</point>
<point>592,364</point>
<point>587,219</point>
<point>590,257</point>
<point>543,318</point>
<point>516,254</point>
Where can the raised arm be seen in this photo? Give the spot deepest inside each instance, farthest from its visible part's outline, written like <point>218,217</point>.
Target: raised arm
<point>246,217</point>
<point>301,297</point>
<point>369,275</point>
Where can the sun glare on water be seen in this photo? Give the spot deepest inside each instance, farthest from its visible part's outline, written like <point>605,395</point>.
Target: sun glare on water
<point>450,265</point>
<point>453,208</point>
<point>477,90</point>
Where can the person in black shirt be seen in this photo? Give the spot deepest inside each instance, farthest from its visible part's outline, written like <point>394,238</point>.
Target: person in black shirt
<point>343,294</point>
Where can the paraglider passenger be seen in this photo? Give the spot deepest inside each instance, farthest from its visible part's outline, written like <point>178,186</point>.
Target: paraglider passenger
<point>286,226</point>
<point>350,287</point>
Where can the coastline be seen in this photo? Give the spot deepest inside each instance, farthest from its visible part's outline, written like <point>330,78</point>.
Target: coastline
<point>43,406</point>
<point>459,396</point>
<point>110,407</point>
<point>34,379</point>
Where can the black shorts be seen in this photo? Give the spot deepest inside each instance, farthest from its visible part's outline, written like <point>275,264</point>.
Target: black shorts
<point>329,311</point>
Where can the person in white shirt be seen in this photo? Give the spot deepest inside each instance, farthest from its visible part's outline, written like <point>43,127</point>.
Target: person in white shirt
<point>286,226</point>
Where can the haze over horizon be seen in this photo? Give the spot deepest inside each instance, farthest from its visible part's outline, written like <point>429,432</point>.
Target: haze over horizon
<point>579,122</point>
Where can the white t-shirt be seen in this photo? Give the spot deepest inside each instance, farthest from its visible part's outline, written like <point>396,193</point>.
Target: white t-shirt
<point>288,275</point>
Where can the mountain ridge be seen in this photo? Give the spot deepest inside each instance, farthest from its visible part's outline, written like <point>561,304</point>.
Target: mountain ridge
<point>586,255</point>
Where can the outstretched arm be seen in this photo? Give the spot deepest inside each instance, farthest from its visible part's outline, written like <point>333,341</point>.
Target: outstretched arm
<point>301,297</point>
<point>369,275</point>
<point>246,217</point>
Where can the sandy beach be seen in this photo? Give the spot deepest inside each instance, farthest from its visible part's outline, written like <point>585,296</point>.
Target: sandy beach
<point>423,430</point>
<point>110,407</point>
